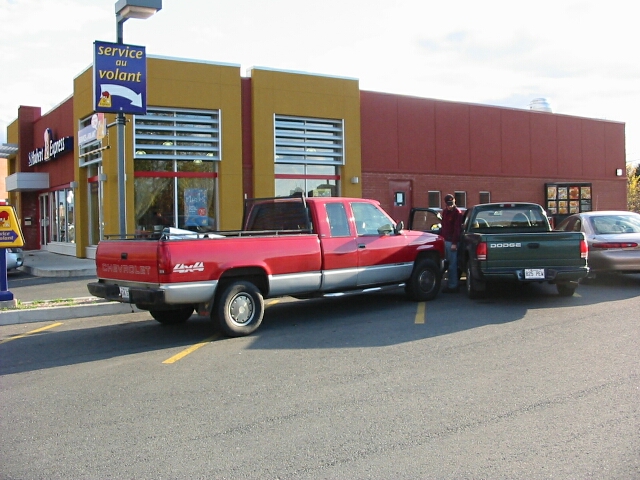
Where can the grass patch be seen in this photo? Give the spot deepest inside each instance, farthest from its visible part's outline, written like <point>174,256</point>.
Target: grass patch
<point>58,302</point>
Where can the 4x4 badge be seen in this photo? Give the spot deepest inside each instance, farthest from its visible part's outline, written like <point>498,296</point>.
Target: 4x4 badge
<point>182,268</point>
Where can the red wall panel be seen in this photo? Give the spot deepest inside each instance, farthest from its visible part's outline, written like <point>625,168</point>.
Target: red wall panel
<point>379,131</point>
<point>485,140</point>
<point>247,138</point>
<point>416,134</point>
<point>569,148</point>
<point>452,137</point>
<point>544,144</point>
<point>516,142</point>
<point>593,149</point>
<point>615,153</point>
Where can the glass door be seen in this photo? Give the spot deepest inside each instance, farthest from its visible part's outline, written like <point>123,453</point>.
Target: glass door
<point>45,216</point>
<point>94,199</point>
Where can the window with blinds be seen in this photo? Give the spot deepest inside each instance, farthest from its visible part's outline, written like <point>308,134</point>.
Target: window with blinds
<point>308,140</point>
<point>164,134</point>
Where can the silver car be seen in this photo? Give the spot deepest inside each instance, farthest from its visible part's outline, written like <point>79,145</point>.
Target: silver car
<point>15,258</point>
<point>613,238</point>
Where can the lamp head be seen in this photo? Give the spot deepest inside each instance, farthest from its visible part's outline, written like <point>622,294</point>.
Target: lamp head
<point>137,8</point>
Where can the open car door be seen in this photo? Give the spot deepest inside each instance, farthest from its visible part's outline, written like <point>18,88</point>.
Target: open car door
<point>425,219</point>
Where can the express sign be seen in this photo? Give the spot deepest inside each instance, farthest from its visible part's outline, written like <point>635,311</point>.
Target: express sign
<point>52,148</point>
<point>119,78</point>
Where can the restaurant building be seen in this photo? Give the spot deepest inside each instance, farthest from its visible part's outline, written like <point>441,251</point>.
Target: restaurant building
<point>211,137</point>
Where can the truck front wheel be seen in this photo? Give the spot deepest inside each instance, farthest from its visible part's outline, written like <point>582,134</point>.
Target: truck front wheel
<point>424,283</point>
<point>173,316</point>
<point>240,309</point>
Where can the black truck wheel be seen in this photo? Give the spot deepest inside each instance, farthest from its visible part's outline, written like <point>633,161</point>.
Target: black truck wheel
<point>566,289</point>
<point>172,316</point>
<point>424,283</point>
<point>240,309</point>
<point>475,289</point>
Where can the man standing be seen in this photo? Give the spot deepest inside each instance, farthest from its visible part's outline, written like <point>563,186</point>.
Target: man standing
<point>450,231</point>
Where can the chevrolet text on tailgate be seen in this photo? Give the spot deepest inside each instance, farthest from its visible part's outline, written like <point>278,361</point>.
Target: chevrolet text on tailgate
<point>289,246</point>
<point>513,242</point>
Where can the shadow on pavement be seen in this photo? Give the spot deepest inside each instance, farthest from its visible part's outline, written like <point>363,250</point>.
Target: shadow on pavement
<point>362,321</point>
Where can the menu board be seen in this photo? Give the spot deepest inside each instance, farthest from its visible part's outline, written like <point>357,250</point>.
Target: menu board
<point>567,198</point>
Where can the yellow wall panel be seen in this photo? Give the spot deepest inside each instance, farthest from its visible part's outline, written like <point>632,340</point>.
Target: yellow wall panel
<point>296,94</point>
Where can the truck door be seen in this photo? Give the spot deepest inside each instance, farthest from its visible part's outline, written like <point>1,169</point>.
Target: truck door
<point>340,255</point>
<point>382,257</point>
<point>425,219</point>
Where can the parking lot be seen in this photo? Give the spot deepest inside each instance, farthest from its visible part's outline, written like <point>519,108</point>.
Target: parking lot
<point>522,384</point>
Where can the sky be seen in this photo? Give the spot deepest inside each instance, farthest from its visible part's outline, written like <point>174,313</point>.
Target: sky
<point>580,55</point>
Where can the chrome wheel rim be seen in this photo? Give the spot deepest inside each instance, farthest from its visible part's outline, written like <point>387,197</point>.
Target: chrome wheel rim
<point>241,309</point>
<point>426,280</point>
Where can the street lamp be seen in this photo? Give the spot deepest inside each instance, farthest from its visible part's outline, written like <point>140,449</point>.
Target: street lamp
<point>126,9</point>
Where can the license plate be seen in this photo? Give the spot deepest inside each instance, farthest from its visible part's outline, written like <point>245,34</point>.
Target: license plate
<point>124,293</point>
<point>534,273</point>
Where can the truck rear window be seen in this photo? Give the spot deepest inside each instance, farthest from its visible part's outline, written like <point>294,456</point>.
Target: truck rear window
<point>520,219</point>
<point>276,214</point>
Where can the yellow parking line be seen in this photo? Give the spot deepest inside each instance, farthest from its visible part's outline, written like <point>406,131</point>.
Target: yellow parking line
<point>37,330</point>
<point>421,313</point>
<point>191,349</point>
<point>272,302</point>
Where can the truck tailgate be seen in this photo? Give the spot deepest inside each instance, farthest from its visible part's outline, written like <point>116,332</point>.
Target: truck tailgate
<point>128,260</point>
<point>533,250</point>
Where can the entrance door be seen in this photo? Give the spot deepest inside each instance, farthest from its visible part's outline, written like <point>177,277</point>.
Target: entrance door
<point>45,216</point>
<point>400,191</point>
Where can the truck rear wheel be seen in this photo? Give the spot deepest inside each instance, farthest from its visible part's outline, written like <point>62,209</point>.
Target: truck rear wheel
<point>173,316</point>
<point>240,309</point>
<point>566,289</point>
<point>475,289</point>
<point>424,283</point>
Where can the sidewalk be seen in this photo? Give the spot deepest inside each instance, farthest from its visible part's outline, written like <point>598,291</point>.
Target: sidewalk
<point>41,263</point>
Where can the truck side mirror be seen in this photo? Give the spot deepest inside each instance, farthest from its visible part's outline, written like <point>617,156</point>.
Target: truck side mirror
<point>399,227</point>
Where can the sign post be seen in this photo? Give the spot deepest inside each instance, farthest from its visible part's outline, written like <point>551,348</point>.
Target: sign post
<point>10,236</point>
<point>120,86</point>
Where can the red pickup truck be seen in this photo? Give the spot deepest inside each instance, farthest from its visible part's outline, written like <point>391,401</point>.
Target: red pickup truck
<point>291,246</point>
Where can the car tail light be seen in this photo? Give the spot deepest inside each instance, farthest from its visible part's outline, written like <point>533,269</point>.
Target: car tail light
<point>481,251</point>
<point>608,245</point>
<point>584,249</point>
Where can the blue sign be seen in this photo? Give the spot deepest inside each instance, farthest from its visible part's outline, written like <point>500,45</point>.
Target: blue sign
<point>119,78</point>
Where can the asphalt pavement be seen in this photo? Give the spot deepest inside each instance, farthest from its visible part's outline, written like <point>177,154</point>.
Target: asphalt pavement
<point>47,276</point>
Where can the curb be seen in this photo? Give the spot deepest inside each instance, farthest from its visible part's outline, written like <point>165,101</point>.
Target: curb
<point>67,312</point>
<point>39,272</point>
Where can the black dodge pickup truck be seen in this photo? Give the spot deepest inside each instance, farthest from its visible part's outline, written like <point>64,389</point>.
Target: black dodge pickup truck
<point>513,242</point>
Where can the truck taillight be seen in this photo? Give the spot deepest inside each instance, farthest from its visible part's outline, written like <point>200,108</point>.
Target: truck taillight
<point>584,249</point>
<point>481,251</point>
<point>164,259</point>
